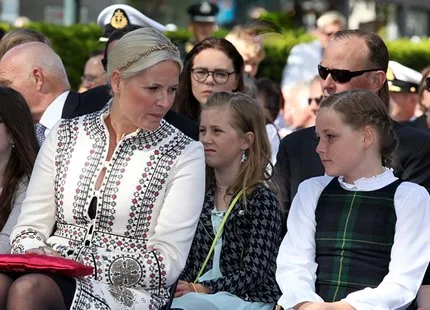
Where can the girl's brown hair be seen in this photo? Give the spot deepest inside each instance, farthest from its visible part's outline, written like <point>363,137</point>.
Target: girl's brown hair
<point>359,108</point>
<point>16,116</point>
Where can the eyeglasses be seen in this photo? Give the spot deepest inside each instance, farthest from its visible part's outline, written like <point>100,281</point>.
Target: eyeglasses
<point>219,76</point>
<point>428,83</point>
<point>341,76</point>
<point>89,78</point>
<point>317,100</point>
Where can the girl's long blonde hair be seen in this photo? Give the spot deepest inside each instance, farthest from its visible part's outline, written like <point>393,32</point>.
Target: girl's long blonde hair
<point>246,116</point>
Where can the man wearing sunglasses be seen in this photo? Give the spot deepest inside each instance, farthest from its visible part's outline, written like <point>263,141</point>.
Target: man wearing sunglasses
<point>353,59</point>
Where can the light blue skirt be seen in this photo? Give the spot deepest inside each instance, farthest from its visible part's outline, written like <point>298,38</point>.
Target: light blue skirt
<point>218,301</point>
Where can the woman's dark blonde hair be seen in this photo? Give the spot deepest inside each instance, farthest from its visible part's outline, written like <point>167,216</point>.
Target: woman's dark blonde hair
<point>359,108</point>
<point>246,116</point>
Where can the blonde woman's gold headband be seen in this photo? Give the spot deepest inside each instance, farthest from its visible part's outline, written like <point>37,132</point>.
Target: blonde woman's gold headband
<point>169,47</point>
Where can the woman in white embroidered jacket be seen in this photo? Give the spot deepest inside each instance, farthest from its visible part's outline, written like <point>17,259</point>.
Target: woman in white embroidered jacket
<point>120,190</point>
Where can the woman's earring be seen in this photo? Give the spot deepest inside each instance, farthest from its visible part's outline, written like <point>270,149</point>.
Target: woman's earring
<point>12,144</point>
<point>244,157</point>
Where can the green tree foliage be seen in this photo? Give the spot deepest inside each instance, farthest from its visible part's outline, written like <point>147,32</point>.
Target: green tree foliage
<point>74,43</point>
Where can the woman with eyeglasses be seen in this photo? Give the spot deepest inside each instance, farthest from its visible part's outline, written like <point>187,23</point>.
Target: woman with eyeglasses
<point>213,65</point>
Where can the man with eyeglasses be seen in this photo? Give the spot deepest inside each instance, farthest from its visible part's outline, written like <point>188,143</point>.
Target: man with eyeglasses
<point>354,59</point>
<point>94,73</point>
<point>315,95</point>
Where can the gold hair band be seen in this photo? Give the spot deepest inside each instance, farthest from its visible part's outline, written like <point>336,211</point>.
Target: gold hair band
<point>169,47</point>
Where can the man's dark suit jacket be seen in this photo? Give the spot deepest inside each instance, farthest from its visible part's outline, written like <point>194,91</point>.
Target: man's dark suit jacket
<point>297,159</point>
<point>95,99</point>
<point>419,123</point>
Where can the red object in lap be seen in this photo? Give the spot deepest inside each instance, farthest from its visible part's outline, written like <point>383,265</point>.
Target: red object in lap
<point>43,263</point>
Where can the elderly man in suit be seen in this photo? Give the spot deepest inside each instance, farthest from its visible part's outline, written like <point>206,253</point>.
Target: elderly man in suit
<point>38,73</point>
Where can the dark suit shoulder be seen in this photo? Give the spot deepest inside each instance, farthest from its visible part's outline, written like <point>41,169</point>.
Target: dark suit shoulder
<point>90,101</point>
<point>412,161</point>
<point>403,130</point>
<point>419,123</point>
<point>183,123</point>
<point>299,136</point>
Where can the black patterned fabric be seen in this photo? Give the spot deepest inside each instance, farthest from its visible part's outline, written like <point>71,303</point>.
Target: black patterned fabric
<point>354,236</point>
<point>250,243</point>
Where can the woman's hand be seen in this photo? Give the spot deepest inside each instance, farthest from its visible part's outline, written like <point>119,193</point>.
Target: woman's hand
<point>184,287</point>
<point>43,250</point>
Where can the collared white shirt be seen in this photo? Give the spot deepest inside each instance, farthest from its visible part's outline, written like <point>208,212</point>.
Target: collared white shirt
<point>53,113</point>
<point>410,253</point>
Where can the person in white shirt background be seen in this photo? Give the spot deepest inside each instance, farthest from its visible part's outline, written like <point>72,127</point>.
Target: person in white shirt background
<point>303,60</point>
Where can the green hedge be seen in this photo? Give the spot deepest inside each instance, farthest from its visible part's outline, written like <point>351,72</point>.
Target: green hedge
<point>74,43</point>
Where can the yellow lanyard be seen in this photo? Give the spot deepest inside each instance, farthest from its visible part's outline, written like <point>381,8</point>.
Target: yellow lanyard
<point>219,232</point>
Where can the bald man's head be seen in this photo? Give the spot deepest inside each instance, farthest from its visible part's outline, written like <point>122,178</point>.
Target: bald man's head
<point>37,72</point>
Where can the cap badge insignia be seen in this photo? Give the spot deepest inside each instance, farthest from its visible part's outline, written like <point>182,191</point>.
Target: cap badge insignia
<point>119,19</point>
<point>205,8</point>
<point>390,74</point>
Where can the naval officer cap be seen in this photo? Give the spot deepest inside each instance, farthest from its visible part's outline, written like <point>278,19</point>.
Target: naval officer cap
<point>203,12</point>
<point>402,79</point>
<point>118,16</point>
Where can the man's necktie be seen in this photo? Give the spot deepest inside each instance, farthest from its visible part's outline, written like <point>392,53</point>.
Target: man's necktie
<point>40,132</point>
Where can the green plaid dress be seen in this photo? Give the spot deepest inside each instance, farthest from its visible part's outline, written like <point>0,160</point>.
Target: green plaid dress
<point>354,235</point>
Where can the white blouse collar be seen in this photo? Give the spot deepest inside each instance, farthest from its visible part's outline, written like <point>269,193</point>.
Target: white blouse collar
<point>371,183</point>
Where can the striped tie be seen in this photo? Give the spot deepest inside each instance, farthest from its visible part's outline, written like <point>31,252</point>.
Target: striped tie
<point>40,132</point>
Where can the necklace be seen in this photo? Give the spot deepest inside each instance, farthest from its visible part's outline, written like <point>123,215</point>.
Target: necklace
<point>221,187</point>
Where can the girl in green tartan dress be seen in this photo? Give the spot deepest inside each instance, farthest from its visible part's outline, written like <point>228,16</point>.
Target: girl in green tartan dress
<point>358,236</point>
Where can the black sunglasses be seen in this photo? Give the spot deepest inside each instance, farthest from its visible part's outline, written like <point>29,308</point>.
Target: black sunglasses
<point>341,76</point>
<point>104,63</point>
<point>428,83</point>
